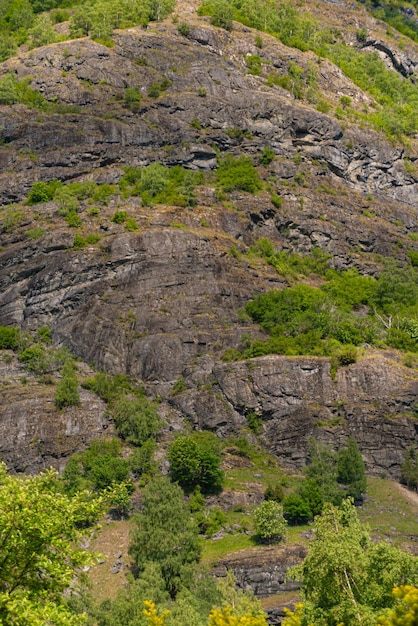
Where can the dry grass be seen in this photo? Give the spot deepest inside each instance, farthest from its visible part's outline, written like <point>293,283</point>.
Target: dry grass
<point>111,541</point>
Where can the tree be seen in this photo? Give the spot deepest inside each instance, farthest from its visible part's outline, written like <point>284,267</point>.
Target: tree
<point>98,467</point>
<point>127,609</point>
<point>195,460</point>
<point>222,14</point>
<point>159,9</point>
<point>322,468</point>
<point>40,554</point>
<point>136,418</point>
<point>409,469</point>
<point>164,533</point>
<point>351,470</point>
<point>269,522</point>
<point>345,577</point>
<point>296,510</point>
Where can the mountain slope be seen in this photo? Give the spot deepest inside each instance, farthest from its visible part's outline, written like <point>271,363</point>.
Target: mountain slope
<point>160,300</point>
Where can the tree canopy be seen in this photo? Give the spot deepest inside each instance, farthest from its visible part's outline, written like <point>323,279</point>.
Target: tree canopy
<point>346,578</point>
<point>40,553</point>
<point>164,533</point>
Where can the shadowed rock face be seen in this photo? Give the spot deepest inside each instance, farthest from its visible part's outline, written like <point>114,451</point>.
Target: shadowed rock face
<point>164,303</point>
<point>145,306</point>
<point>296,398</point>
<point>34,434</point>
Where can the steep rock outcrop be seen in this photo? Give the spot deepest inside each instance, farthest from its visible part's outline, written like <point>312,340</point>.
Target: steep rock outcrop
<point>85,74</point>
<point>296,398</point>
<point>34,434</point>
<point>163,303</point>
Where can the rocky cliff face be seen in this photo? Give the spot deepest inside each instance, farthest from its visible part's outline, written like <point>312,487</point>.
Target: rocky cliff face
<point>163,303</point>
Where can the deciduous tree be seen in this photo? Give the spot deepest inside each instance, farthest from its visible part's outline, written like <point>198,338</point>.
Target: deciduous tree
<point>40,553</point>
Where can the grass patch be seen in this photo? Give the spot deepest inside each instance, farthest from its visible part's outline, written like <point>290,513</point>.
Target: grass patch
<point>389,513</point>
<point>214,549</point>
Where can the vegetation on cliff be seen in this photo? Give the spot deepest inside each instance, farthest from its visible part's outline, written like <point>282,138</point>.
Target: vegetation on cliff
<point>247,191</point>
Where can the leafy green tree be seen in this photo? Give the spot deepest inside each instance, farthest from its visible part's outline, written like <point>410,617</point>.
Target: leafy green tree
<point>296,509</point>
<point>351,471</point>
<point>165,534</point>
<point>345,577</point>
<point>42,32</point>
<point>195,460</point>
<point>98,467</point>
<point>159,9</point>
<point>136,418</point>
<point>311,493</point>
<point>269,523</point>
<point>322,468</point>
<point>40,554</point>
<point>222,14</point>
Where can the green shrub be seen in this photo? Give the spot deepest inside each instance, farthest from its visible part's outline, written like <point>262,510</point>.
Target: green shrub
<point>66,393</point>
<point>132,97</point>
<point>267,156</point>
<point>296,510</point>
<point>119,217</point>
<point>195,460</point>
<point>238,173</point>
<point>141,459</point>
<point>154,90</point>
<point>12,90</point>
<point>136,418</point>
<point>210,521</point>
<point>45,334</point>
<point>35,233</point>
<point>253,62</point>
<point>157,184</point>
<point>80,242</point>
<point>413,257</point>
<point>36,359</point>
<point>276,201</point>
<point>347,355</point>
<point>184,29</point>
<point>131,225</point>
<point>98,467</point>
<point>42,191</point>
<point>9,338</point>
<point>73,219</point>
<point>102,193</point>
<point>274,492</point>
<point>254,422</point>
<point>108,387</point>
